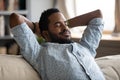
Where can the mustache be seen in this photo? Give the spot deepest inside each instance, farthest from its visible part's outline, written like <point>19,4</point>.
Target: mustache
<point>65,30</point>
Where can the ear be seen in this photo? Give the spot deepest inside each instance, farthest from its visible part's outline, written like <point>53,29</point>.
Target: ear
<point>46,36</point>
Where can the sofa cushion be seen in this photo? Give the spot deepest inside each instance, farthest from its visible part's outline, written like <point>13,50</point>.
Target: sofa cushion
<point>14,67</point>
<point>110,65</point>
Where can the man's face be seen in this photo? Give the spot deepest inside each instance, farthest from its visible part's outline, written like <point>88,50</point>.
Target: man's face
<point>57,29</point>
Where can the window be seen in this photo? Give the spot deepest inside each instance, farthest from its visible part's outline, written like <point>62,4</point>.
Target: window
<point>106,6</point>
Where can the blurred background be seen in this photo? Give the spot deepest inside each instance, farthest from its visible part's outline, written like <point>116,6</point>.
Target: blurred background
<point>32,9</point>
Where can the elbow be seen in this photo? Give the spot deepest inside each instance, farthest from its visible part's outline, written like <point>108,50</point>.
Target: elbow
<point>15,19</point>
<point>99,13</point>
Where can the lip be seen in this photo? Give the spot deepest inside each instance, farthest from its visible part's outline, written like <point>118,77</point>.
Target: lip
<point>66,33</point>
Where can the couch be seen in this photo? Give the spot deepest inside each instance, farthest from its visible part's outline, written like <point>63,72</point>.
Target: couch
<point>110,66</point>
<point>14,67</point>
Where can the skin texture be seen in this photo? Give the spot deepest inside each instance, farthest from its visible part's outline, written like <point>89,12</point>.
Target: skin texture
<point>17,19</point>
<point>58,31</point>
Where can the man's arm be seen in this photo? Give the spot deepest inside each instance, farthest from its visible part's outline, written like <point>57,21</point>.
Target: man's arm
<point>29,46</point>
<point>84,19</point>
<point>17,19</point>
<point>93,32</point>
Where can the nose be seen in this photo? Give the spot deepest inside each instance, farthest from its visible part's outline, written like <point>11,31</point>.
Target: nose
<point>65,26</point>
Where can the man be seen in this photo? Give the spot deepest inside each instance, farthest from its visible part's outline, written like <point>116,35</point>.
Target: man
<point>59,58</point>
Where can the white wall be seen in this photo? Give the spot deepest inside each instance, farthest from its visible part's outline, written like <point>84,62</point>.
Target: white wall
<point>36,7</point>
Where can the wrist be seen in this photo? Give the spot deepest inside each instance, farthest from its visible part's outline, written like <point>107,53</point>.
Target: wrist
<point>34,27</point>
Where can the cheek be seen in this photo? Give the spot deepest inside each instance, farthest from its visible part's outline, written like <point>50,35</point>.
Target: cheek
<point>55,31</point>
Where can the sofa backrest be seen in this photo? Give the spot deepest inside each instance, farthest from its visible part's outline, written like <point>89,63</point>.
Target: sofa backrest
<point>14,67</point>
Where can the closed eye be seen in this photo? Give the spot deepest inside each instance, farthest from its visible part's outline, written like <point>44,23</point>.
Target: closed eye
<point>57,24</point>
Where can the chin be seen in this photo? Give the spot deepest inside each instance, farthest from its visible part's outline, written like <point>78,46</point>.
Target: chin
<point>65,41</point>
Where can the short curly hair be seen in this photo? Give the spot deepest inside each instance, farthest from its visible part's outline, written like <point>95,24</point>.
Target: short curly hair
<point>43,22</point>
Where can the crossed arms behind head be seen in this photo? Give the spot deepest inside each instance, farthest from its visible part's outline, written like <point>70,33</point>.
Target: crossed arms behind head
<point>16,19</point>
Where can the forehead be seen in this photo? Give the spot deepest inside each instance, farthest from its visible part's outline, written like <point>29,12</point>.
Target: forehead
<point>58,16</point>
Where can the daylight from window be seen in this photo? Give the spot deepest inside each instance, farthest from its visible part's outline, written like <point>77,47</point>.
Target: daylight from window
<point>106,6</point>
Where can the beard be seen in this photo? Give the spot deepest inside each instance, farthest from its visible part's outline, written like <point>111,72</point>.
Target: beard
<point>57,39</point>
